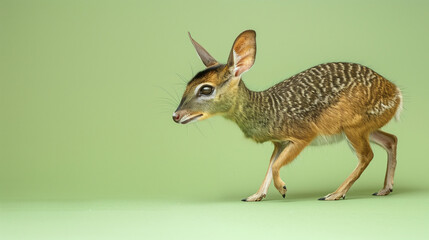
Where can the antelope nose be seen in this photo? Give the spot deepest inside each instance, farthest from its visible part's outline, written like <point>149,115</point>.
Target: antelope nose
<point>176,117</point>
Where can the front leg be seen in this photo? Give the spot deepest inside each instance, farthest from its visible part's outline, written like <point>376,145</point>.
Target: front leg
<point>286,156</point>
<point>263,189</point>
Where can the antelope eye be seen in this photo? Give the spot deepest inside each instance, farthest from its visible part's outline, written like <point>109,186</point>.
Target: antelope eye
<point>206,90</point>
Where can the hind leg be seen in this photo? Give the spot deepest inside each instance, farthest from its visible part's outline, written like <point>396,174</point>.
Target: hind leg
<point>360,142</point>
<point>389,143</point>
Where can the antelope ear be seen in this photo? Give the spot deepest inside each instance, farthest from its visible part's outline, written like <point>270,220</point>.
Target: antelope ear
<point>207,59</point>
<point>243,53</point>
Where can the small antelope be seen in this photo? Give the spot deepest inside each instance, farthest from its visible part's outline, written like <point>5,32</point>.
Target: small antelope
<point>319,105</point>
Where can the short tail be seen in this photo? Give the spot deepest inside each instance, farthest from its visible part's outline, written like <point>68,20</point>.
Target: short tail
<point>400,106</point>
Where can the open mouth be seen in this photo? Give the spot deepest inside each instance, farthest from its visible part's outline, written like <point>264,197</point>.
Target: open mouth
<point>190,118</point>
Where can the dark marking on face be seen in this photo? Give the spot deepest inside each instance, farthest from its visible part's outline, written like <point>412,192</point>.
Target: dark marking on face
<point>205,72</point>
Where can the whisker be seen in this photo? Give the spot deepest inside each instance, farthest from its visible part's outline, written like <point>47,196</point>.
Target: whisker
<point>167,100</point>
<point>165,104</point>
<point>182,78</point>
<point>178,84</point>
<point>178,97</point>
<point>172,96</point>
<point>199,130</point>
<point>164,111</point>
<point>211,125</point>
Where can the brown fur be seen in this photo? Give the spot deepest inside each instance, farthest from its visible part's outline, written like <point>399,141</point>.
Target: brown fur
<point>325,100</point>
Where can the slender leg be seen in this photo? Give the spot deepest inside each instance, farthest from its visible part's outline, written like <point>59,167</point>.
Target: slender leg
<point>389,143</point>
<point>286,156</point>
<point>262,192</point>
<point>360,143</point>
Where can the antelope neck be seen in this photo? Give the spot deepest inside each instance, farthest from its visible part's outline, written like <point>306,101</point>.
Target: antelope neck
<point>252,112</point>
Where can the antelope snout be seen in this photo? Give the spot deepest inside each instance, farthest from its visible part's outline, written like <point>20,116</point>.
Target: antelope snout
<point>184,116</point>
<point>176,117</point>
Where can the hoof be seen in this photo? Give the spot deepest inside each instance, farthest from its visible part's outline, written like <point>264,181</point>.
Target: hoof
<point>383,192</point>
<point>254,198</point>
<point>333,196</point>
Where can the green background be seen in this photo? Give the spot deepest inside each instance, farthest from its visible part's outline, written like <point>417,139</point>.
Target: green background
<point>88,148</point>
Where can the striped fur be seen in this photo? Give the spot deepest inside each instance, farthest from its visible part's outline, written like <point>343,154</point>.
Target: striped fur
<point>320,105</point>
